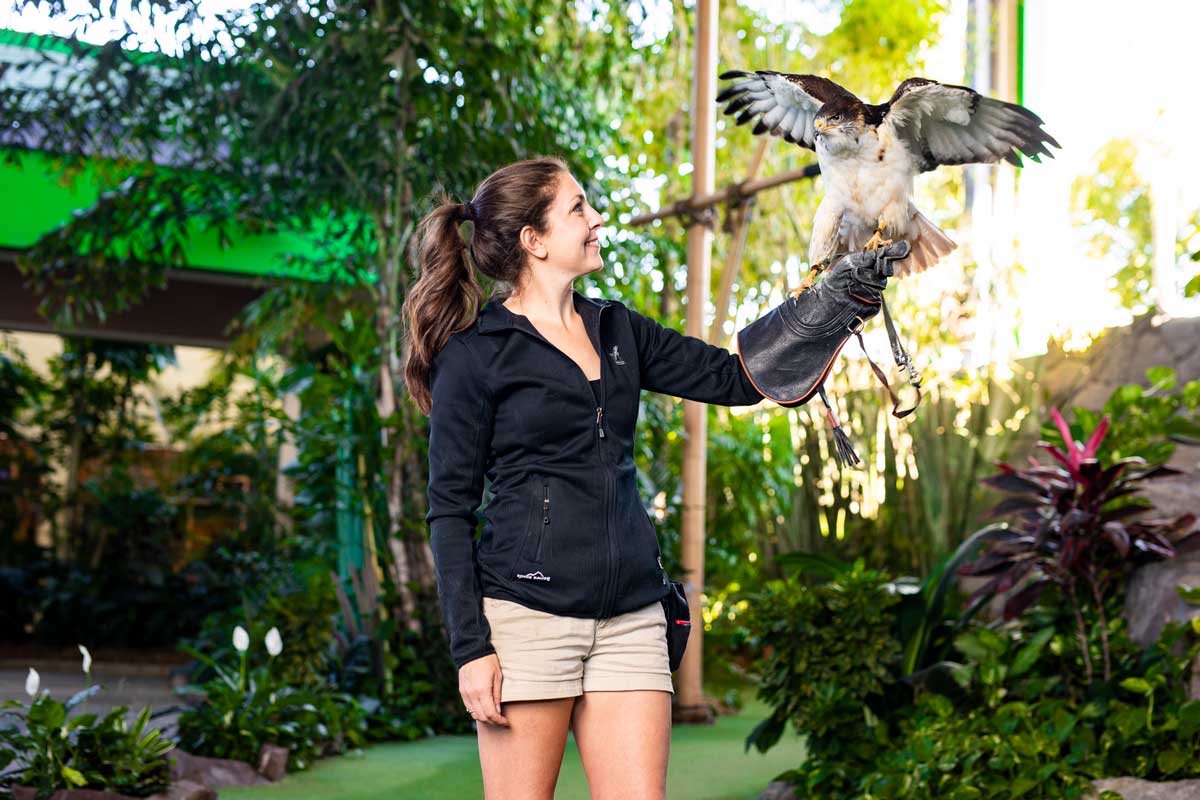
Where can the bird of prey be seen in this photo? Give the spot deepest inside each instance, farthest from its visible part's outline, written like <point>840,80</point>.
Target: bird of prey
<point>869,154</point>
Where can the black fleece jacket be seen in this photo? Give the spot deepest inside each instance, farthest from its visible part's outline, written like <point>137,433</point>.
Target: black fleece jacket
<point>564,529</point>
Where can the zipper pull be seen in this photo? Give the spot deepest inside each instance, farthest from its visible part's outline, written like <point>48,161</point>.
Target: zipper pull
<point>545,505</point>
<point>599,414</point>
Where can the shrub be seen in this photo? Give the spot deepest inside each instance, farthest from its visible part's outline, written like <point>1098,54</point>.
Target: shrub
<point>829,657</point>
<point>1072,527</point>
<point>1012,717</point>
<point>1025,733</point>
<point>297,597</point>
<point>243,710</point>
<point>59,751</point>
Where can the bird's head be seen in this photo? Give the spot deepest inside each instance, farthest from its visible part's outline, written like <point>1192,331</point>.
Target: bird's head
<point>838,122</point>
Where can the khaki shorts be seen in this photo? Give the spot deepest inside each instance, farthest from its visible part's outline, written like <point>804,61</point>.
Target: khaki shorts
<point>544,656</point>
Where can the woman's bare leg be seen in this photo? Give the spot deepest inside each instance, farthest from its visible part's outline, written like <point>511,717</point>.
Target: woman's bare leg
<point>522,761</point>
<point>624,739</point>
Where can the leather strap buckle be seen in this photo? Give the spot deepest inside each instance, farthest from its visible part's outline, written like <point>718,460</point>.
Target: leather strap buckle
<point>861,324</point>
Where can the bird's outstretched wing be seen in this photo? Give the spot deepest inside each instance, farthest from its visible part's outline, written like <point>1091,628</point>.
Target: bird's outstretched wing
<point>786,104</point>
<point>945,124</point>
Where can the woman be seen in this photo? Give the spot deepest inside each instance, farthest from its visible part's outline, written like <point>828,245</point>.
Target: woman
<point>554,615</point>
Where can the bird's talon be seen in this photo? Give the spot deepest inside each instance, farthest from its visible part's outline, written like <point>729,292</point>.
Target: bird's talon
<point>807,283</point>
<point>877,241</point>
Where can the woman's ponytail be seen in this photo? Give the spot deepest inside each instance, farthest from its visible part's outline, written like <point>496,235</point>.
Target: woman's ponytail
<point>445,298</point>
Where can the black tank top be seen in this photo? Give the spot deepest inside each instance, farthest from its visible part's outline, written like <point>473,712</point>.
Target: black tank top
<point>596,390</point>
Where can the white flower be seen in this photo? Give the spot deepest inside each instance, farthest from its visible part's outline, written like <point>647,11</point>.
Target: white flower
<point>32,682</point>
<point>87,659</point>
<point>274,642</point>
<point>241,639</point>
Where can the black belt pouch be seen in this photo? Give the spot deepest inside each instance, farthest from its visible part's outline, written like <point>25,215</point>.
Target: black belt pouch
<point>679,623</point>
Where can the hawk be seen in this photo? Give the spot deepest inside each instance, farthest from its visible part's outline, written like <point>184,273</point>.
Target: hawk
<point>869,154</point>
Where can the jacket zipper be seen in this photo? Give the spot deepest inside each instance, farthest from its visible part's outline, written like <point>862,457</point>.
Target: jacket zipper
<point>610,574</point>
<point>607,599</point>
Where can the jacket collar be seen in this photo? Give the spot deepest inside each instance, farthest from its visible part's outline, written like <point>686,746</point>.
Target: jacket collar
<point>495,316</point>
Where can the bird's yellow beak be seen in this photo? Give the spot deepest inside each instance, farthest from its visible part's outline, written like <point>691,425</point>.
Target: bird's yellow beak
<point>821,125</point>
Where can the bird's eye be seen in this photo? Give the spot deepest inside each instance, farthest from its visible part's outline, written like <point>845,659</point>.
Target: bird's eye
<point>836,118</point>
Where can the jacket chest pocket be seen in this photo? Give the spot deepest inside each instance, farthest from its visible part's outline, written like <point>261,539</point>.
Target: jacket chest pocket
<point>537,529</point>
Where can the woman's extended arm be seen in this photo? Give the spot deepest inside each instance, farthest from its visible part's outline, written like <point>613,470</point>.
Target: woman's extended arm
<point>685,366</point>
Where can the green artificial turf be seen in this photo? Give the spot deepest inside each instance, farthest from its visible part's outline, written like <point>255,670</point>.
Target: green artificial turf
<point>707,762</point>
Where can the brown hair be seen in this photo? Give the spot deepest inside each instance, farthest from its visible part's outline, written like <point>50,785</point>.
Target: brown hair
<point>446,298</point>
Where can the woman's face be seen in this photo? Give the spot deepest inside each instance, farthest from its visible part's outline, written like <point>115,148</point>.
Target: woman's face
<point>571,241</point>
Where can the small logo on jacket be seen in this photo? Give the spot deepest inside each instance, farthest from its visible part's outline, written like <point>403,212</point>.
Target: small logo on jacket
<point>616,355</point>
<point>534,576</point>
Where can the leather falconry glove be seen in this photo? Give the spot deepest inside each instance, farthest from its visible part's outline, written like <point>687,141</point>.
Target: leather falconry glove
<point>789,351</point>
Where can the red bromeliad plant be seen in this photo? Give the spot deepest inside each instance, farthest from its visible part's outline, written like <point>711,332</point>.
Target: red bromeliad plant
<point>1066,528</point>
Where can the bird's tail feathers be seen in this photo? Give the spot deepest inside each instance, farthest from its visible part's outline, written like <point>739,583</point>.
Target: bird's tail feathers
<point>929,244</point>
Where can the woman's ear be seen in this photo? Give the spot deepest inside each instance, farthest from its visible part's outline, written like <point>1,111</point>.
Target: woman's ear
<point>532,242</point>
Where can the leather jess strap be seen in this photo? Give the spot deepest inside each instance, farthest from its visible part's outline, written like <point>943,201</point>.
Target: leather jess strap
<point>903,360</point>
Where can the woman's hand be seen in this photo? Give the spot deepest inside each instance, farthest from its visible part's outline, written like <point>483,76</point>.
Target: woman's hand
<point>479,684</point>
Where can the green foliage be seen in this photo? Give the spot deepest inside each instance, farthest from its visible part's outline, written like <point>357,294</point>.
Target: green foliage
<point>1012,723</point>
<point>229,439</point>
<point>243,710</point>
<point>293,595</point>
<point>131,529</point>
<point>1147,421</point>
<point>297,597</point>
<point>331,118</point>
<point>1070,526</point>
<point>23,457</point>
<point>1025,728</point>
<point>1115,205</point>
<point>67,602</point>
<point>922,621</point>
<point>60,751</point>
<point>1010,716</point>
<point>829,656</point>
<point>1152,727</point>
<point>92,419</point>
<point>1018,749</point>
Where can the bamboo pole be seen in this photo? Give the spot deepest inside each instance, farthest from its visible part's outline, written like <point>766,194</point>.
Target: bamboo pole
<point>1004,191</point>
<point>691,706</point>
<point>737,248</point>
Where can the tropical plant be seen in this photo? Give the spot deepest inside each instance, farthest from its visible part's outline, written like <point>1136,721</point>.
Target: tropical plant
<point>828,661</point>
<point>242,710</point>
<point>1013,724</point>
<point>95,418</point>
<point>1145,421</point>
<point>23,456</point>
<point>923,624</point>
<point>1072,527</point>
<point>296,597</point>
<point>53,750</point>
